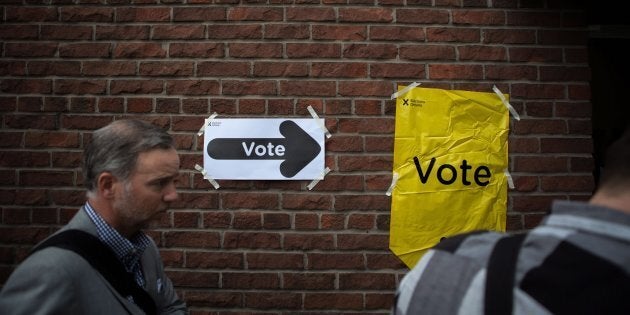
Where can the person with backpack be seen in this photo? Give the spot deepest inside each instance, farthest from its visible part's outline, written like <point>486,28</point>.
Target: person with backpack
<point>577,261</point>
<point>102,262</point>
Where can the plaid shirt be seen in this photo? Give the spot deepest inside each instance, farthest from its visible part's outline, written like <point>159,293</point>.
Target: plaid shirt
<point>128,251</point>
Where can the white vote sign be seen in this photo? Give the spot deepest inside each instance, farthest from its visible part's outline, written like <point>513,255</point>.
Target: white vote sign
<point>264,149</point>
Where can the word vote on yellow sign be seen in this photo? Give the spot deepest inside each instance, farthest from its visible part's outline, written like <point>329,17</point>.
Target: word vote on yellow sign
<point>450,155</point>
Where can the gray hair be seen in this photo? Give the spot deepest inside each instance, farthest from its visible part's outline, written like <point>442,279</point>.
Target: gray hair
<point>115,149</point>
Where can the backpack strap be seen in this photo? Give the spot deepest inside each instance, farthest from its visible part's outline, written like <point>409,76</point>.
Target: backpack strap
<point>500,274</point>
<point>103,259</point>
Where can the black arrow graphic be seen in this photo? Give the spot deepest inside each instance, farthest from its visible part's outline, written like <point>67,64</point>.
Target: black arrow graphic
<point>299,148</point>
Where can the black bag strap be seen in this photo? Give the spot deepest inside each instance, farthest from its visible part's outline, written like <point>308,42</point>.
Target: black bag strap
<point>103,259</point>
<point>500,274</point>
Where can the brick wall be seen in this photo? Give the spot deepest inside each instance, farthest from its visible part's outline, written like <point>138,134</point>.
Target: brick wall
<point>274,246</point>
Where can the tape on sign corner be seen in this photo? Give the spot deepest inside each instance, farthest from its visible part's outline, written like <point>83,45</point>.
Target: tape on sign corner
<point>315,181</point>
<point>393,184</point>
<point>203,172</point>
<point>319,121</point>
<point>509,179</point>
<point>206,122</point>
<point>405,90</point>
<point>506,103</point>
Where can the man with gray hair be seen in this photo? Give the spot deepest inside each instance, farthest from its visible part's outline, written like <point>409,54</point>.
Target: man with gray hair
<point>102,262</point>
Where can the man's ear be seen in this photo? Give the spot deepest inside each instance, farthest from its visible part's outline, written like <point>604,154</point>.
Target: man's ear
<point>106,184</point>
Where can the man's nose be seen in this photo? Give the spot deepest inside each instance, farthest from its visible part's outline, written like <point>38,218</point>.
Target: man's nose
<point>170,193</point>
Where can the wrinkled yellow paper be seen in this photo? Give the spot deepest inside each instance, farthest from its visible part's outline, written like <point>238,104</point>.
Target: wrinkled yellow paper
<point>460,143</point>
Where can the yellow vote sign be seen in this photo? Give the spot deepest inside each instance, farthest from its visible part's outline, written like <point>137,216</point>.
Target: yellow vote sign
<point>450,159</point>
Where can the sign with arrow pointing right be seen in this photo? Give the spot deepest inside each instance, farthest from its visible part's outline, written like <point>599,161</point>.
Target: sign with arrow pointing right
<point>257,148</point>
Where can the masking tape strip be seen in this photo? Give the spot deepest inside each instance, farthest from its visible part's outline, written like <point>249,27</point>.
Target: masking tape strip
<point>506,103</point>
<point>509,178</point>
<point>207,121</point>
<point>318,120</point>
<point>315,181</point>
<point>205,176</point>
<point>405,90</point>
<point>393,184</point>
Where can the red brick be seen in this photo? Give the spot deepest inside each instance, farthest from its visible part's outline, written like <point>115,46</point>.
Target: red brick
<point>308,88</point>
<point>201,14</point>
<point>196,50</point>
<point>166,68</point>
<point>422,16</point>
<point>339,32</point>
<point>192,87</point>
<point>250,281</point>
<point>327,301</point>
<point>183,219</point>
<point>364,163</point>
<point>255,14</point>
<point>72,86</point>
<point>217,260</point>
<point>273,300</point>
<point>375,15</point>
<point>36,139</point>
<point>214,299</point>
<point>367,281</point>
<point>427,52</point>
<point>482,53</point>
<point>234,31</point>
<point>286,31</point>
<point>366,88</point>
<point>509,36</point>
<point>178,32</point>
<point>337,183</point>
<point>361,221</point>
<point>308,242</point>
<point>459,35</point>
<point>362,241</point>
<point>268,261</point>
<point>66,197</point>
<point>217,219</point>
<point>306,221</point>
<point>122,32</point>
<point>567,183</point>
<point>313,50</point>
<point>86,14</point>
<point>85,50</point>
<point>478,17</point>
<point>136,86</point>
<point>249,87</point>
<point>57,68</point>
<point>23,32</point>
<point>30,14</point>
<point>449,72</point>
<point>192,239</point>
<point>67,32</point>
<point>194,279</point>
<point>139,50</point>
<point>251,240</point>
<point>384,261</point>
<point>308,281</point>
<point>340,70</point>
<point>396,33</point>
<point>39,121</point>
<point>143,14</point>
<point>310,14</point>
<point>325,261</point>
<point>535,54</point>
<point>397,70</point>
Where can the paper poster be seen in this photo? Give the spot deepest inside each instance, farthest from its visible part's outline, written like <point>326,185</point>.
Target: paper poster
<point>264,149</point>
<point>450,154</point>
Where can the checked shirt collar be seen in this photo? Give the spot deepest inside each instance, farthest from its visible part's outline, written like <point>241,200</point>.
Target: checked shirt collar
<point>128,251</point>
